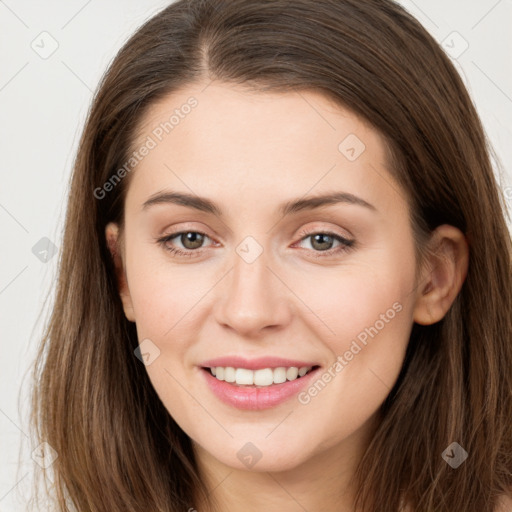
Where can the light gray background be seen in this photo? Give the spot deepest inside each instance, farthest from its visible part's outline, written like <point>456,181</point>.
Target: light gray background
<point>43,103</point>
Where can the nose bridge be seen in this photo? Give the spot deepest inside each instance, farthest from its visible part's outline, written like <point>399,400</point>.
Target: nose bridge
<point>252,298</point>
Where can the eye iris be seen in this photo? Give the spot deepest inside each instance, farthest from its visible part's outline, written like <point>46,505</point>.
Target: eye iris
<point>321,238</point>
<point>195,239</point>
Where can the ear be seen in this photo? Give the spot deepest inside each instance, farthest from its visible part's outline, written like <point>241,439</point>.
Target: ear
<point>443,274</point>
<point>116,249</point>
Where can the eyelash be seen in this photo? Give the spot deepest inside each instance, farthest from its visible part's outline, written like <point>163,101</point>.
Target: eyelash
<point>346,245</point>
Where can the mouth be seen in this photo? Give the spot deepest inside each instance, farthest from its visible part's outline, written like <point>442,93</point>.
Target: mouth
<point>261,378</point>
<point>262,388</point>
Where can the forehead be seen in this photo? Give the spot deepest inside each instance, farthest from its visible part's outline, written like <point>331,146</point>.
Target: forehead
<point>221,139</point>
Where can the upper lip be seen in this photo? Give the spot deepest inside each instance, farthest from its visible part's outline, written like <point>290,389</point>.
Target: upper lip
<point>255,364</point>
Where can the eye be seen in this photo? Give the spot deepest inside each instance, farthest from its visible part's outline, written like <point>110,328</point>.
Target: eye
<point>190,240</point>
<point>322,242</point>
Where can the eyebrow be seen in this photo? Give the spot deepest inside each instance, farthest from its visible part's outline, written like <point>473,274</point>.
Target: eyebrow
<point>206,205</point>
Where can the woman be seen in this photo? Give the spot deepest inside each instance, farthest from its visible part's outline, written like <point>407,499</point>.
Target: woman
<point>285,280</point>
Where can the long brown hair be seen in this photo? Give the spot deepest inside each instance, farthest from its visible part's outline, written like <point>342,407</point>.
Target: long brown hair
<point>118,447</point>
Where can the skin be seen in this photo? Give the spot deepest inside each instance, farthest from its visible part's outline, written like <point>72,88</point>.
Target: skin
<point>250,152</point>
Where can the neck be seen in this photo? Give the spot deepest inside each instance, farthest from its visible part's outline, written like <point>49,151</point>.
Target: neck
<point>324,482</point>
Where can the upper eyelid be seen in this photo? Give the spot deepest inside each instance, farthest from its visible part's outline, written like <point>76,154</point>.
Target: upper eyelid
<point>309,231</point>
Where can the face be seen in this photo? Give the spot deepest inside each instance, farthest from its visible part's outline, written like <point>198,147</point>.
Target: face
<point>253,271</point>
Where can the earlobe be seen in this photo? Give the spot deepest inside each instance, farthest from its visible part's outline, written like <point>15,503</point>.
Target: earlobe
<point>443,280</point>
<point>115,247</point>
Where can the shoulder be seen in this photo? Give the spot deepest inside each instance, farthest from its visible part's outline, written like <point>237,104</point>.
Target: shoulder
<point>504,503</point>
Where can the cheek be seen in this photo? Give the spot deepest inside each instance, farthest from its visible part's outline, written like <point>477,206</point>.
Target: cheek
<point>359,299</point>
<point>372,326</point>
<point>165,300</point>
<point>368,309</point>
<point>163,291</point>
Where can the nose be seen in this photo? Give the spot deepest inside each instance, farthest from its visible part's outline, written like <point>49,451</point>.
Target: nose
<point>253,299</point>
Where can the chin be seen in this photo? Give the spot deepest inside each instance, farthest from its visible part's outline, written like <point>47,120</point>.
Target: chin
<point>260,457</point>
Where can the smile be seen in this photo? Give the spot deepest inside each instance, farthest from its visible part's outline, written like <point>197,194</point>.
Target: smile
<point>244,392</point>
<point>260,378</point>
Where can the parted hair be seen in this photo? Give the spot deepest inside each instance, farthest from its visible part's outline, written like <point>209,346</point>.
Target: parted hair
<point>118,448</point>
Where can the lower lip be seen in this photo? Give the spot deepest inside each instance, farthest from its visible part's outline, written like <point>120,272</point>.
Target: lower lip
<point>251,398</point>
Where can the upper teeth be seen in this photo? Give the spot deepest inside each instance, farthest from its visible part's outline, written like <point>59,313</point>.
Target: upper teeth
<point>263,377</point>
